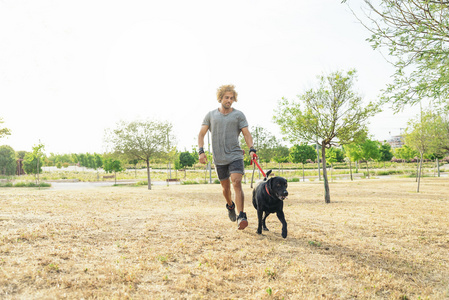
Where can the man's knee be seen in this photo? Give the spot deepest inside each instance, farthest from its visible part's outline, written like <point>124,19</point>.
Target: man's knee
<point>236,180</point>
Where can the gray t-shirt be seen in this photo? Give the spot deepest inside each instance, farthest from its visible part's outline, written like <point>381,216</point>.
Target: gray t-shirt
<point>225,131</point>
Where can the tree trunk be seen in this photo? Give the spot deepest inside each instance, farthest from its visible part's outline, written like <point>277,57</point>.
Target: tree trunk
<point>148,173</point>
<point>115,178</point>
<point>327,196</point>
<point>350,170</point>
<point>367,168</point>
<point>419,172</point>
<point>438,166</point>
<point>303,175</point>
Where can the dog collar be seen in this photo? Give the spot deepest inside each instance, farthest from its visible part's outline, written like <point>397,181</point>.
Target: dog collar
<point>267,190</point>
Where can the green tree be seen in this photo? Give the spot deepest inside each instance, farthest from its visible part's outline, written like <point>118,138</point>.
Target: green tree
<point>32,163</point>
<point>300,154</point>
<point>369,150</point>
<point>405,153</point>
<point>331,114</point>
<point>98,160</point>
<point>8,162</point>
<point>353,153</point>
<point>113,165</point>
<point>186,160</point>
<point>423,134</point>
<point>264,142</point>
<point>416,35</point>
<point>4,131</point>
<point>143,140</point>
<point>386,153</point>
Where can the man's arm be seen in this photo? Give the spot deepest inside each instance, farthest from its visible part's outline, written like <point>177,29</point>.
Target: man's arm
<point>201,135</point>
<point>249,141</point>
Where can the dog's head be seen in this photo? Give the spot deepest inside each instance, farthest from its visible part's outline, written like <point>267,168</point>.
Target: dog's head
<point>277,187</point>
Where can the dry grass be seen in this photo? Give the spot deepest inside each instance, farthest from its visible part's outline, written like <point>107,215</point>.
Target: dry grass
<point>378,239</point>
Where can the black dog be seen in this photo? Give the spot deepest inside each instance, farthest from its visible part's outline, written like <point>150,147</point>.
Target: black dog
<point>268,197</point>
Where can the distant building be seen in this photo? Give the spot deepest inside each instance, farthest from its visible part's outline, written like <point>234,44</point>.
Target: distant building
<point>396,141</point>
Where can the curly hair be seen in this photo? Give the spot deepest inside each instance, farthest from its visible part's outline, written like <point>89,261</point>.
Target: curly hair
<point>226,88</point>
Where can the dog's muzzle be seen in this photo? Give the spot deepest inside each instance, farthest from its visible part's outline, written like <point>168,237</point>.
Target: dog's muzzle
<point>283,195</point>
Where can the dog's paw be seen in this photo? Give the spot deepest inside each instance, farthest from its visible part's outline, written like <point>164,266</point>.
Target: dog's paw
<point>259,231</point>
<point>284,233</point>
<point>265,229</point>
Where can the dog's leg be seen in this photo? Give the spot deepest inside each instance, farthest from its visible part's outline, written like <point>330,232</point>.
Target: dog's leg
<point>259,218</point>
<point>264,226</point>
<point>281,218</point>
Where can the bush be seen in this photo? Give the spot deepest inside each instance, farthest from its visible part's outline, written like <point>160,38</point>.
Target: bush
<point>32,184</point>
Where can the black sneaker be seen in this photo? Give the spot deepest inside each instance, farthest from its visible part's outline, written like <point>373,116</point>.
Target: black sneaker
<point>231,212</point>
<point>242,222</point>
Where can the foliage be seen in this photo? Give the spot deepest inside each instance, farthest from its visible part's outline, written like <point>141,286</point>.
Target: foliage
<point>264,142</point>
<point>386,153</point>
<point>32,163</point>
<point>142,140</point>
<point>301,153</point>
<point>405,153</point>
<point>282,154</point>
<point>416,35</point>
<point>328,115</point>
<point>4,131</point>
<point>112,165</point>
<point>7,160</point>
<point>185,159</point>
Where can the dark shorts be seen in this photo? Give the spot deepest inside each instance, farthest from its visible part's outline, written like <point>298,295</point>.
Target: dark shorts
<point>225,171</point>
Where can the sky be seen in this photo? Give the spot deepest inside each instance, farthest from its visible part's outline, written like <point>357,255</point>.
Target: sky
<point>69,70</point>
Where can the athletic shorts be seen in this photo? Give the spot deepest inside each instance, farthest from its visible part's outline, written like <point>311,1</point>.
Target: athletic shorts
<point>225,171</point>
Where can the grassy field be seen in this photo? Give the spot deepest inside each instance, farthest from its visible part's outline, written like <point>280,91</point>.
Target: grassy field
<point>378,239</point>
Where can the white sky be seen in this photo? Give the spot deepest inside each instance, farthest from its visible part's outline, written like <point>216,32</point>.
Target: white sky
<point>71,69</point>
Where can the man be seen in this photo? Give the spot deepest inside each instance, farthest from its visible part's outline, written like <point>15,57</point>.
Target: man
<point>225,124</point>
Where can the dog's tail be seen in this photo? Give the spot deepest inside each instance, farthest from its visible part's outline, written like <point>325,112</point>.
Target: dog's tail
<point>268,174</point>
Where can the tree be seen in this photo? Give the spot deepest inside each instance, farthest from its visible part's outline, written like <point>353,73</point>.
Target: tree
<point>264,142</point>
<point>186,159</point>
<point>32,163</point>
<point>369,150</point>
<point>416,35</point>
<point>300,154</point>
<point>143,140</point>
<point>8,162</point>
<point>281,156</point>
<point>329,115</point>
<point>4,131</point>
<point>405,153</point>
<point>385,153</point>
<point>353,153</point>
<point>112,165</point>
<point>421,134</point>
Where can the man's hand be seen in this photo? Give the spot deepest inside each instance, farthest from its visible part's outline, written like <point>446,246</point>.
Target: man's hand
<point>203,158</point>
<point>252,153</point>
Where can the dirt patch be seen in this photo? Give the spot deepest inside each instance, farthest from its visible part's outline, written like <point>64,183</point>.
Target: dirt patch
<point>377,239</point>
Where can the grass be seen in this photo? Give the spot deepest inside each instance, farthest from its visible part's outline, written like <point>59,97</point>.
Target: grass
<point>378,239</point>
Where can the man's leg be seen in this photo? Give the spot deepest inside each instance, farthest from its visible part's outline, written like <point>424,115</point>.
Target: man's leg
<point>226,185</point>
<point>236,179</point>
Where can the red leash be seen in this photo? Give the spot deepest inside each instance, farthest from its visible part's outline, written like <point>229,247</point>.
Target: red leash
<point>258,166</point>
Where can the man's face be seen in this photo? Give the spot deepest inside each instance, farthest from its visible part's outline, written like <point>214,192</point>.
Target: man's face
<point>227,100</point>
